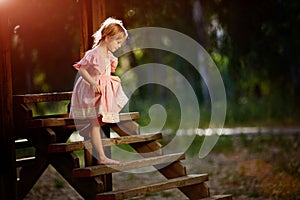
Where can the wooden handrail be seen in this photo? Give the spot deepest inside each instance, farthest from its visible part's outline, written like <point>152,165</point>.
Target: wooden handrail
<point>42,97</point>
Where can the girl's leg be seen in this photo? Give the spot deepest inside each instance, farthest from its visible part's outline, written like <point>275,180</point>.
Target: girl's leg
<point>85,132</point>
<point>97,143</point>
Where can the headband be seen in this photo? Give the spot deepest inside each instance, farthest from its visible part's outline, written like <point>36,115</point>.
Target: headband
<point>98,34</point>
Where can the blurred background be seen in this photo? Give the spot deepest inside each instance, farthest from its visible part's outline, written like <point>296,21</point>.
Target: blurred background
<point>255,45</point>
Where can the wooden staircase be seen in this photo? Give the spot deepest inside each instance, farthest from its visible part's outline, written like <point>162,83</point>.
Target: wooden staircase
<point>48,136</point>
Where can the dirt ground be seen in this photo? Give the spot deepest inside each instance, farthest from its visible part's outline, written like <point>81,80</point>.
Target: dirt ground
<point>252,168</point>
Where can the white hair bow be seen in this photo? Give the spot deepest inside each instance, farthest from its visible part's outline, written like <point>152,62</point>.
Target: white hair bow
<point>98,34</point>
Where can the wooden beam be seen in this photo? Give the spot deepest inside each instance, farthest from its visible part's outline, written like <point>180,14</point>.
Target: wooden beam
<point>85,25</point>
<point>173,170</point>
<point>64,164</point>
<point>219,197</point>
<point>92,14</point>
<point>135,164</point>
<point>8,175</point>
<point>127,127</point>
<point>98,14</point>
<point>80,145</point>
<point>29,174</point>
<point>52,122</point>
<point>43,97</point>
<point>156,187</point>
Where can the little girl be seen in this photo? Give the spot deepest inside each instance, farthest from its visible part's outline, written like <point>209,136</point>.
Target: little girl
<point>97,95</point>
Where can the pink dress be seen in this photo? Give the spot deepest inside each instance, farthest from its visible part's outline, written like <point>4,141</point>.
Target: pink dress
<point>85,103</point>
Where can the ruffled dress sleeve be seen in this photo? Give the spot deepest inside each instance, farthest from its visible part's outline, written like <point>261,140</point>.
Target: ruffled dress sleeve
<point>88,60</point>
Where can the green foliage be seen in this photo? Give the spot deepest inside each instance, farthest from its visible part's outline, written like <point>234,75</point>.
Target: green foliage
<point>25,152</point>
<point>80,154</point>
<point>49,108</point>
<point>252,44</point>
<point>45,45</point>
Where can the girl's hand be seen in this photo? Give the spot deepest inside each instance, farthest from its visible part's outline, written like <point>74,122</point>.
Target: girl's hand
<point>115,78</point>
<point>86,76</point>
<point>97,88</point>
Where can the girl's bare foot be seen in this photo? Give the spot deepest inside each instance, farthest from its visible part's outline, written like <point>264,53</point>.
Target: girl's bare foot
<point>108,161</point>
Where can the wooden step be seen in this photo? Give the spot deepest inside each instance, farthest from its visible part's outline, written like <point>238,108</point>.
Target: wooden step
<point>219,197</point>
<point>66,121</point>
<point>73,146</point>
<point>21,162</point>
<point>42,97</point>
<point>108,169</point>
<point>157,187</point>
<point>22,143</point>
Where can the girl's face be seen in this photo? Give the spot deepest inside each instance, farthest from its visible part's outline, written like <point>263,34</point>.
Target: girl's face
<point>114,43</point>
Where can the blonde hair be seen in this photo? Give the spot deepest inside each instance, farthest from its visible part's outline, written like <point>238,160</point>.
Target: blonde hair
<point>110,27</point>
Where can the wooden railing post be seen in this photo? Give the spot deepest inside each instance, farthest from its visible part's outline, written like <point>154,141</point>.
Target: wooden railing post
<point>92,14</point>
<point>8,158</point>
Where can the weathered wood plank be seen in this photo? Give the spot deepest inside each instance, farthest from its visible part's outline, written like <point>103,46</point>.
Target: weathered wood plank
<point>68,147</point>
<point>65,121</point>
<point>129,127</point>
<point>132,139</point>
<point>30,174</point>
<point>22,143</point>
<point>64,163</point>
<point>219,197</point>
<point>176,169</point>
<point>129,116</point>
<point>8,173</point>
<point>42,97</point>
<point>21,162</point>
<point>107,169</point>
<point>165,185</point>
<point>80,145</point>
<point>49,122</point>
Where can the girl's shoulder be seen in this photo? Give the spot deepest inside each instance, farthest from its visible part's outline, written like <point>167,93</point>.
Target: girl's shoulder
<point>93,54</point>
<point>93,51</point>
<point>111,56</point>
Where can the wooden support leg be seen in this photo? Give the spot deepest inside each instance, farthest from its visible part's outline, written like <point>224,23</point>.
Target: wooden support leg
<point>65,163</point>
<point>177,169</point>
<point>88,154</point>
<point>30,174</point>
<point>126,128</point>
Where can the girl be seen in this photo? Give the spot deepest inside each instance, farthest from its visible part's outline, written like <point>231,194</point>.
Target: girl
<point>97,95</point>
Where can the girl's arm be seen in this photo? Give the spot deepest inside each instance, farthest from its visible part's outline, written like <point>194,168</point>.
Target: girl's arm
<point>115,78</point>
<point>84,73</point>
